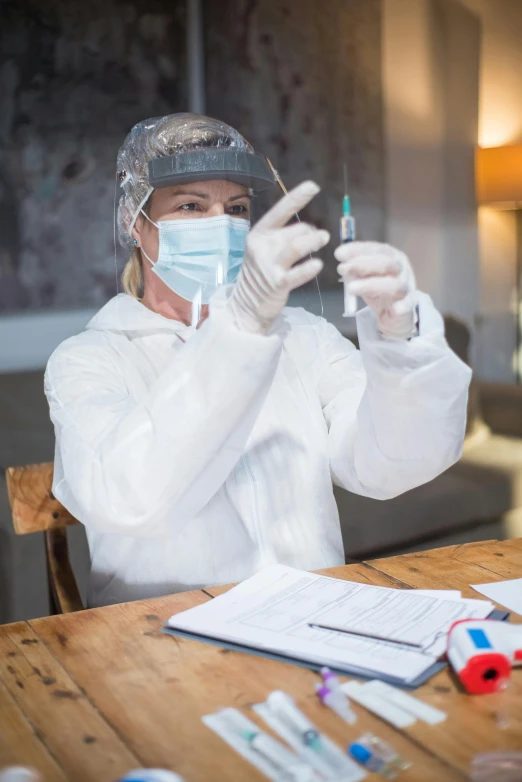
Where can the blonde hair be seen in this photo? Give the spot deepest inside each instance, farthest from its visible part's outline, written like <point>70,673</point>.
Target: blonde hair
<point>132,276</point>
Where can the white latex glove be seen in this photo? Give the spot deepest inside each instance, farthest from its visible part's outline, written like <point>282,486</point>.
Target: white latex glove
<point>383,277</point>
<point>268,273</point>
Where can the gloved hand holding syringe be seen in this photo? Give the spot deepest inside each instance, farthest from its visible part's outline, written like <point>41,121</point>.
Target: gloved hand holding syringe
<point>381,275</point>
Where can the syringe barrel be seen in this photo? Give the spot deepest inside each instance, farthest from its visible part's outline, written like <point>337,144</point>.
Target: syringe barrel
<point>347,234</point>
<point>347,229</point>
<point>350,303</point>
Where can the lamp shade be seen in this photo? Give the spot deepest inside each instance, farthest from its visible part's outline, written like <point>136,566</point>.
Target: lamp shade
<point>498,172</point>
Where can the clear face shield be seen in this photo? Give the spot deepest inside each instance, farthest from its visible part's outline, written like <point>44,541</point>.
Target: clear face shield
<point>195,252</point>
<point>193,257</point>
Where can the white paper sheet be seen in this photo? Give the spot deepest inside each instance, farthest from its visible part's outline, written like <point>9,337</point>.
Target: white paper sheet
<point>507,593</point>
<point>447,594</point>
<point>271,612</point>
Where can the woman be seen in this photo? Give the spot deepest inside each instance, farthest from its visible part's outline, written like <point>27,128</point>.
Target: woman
<point>199,426</point>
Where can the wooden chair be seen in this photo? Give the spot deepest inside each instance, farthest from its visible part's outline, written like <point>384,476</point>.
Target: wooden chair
<point>35,509</point>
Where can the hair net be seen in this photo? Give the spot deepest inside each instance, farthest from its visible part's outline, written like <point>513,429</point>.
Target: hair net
<point>161,137</point>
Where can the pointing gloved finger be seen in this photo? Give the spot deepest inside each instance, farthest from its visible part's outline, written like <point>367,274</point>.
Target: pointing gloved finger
<point>374,287</point>
<point>303,246</point>
<point>283,235</point>
<point>351,250</point>
<point>290,232</point>
<point>279,238</point>
<point>369,266</point>
<point>300,275</point>
<point>288,206</point>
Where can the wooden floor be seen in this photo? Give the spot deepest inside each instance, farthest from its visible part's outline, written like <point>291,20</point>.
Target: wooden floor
<point>88,696</point>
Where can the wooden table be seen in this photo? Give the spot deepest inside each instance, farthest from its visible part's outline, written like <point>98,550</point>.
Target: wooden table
<point>90,695</point>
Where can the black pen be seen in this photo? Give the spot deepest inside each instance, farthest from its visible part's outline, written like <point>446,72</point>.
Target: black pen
<point>366,635</point>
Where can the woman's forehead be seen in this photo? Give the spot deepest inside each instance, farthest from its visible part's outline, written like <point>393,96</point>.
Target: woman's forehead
<point>212,188</point>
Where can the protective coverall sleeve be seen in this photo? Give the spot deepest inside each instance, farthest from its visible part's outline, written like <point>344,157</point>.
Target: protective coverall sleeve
<point>139,466</point>
<point>396,409</point>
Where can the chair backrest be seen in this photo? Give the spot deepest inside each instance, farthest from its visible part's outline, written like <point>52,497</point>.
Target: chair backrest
<point>33,504</point>
<point>35,509</point>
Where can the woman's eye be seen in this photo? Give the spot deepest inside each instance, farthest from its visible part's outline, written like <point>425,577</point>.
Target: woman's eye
<point>189,207</point>
<point>238,209</point>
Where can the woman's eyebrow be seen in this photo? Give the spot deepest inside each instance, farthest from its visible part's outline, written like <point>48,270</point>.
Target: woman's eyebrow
<point>237,197</point>
<point>193,193</point>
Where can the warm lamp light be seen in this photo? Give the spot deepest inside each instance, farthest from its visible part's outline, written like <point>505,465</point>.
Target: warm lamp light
<point>498,173</point>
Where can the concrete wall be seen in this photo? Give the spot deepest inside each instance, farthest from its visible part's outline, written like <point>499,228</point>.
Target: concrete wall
<point>430,67</point>
<point>303,82</point>
<point>74,78</point>
<point>304,86</point>
<point>437,49</point>
<point>500,123</point>
<point>423,172</point>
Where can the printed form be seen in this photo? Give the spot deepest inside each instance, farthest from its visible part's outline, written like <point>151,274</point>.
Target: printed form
<point>272,611</point>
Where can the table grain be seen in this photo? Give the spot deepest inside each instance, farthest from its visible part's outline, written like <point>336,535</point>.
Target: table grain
<point>90,695</point>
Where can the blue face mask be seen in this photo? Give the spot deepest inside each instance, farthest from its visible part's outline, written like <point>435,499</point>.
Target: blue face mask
<point>198,255</point>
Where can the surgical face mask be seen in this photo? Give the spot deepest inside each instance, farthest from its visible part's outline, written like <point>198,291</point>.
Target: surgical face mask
<point>198,255</point>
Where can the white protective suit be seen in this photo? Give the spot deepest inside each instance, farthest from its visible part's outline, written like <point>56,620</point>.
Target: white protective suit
<point>199,457</point>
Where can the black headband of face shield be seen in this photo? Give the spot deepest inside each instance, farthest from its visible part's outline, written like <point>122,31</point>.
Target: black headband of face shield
<point>199,165</point>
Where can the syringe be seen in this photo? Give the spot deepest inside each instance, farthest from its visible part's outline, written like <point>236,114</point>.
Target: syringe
<point>347,234</point>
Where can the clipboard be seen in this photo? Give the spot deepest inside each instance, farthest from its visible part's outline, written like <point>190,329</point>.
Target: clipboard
<point>355,671</point>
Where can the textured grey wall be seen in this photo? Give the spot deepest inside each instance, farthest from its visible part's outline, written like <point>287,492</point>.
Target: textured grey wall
<point>74,77</point>
<point>301,80</point>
